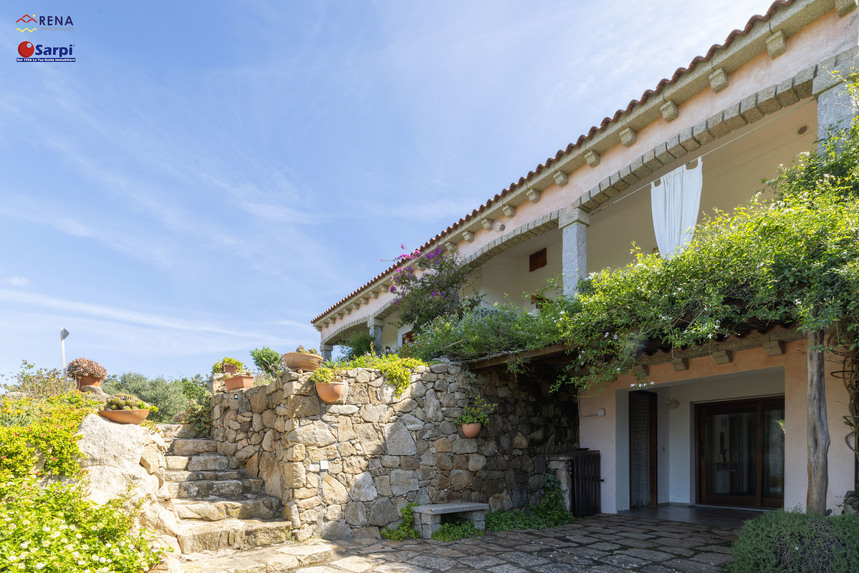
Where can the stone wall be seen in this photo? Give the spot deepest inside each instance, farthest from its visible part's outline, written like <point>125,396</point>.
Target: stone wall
<point>345,470</point>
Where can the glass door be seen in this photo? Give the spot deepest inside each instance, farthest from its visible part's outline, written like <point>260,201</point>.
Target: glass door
<point>741,452</point>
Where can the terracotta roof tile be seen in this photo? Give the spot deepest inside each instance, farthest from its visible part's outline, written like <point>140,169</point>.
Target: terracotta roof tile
<point>606,122</point>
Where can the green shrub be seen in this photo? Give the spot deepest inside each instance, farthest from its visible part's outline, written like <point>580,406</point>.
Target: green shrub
<point>40,436</point>
<point>267,360</point>
<point>198,409</point>
<point>166,395</point>
<point>794,542</point>
<point>56,528</point>
<point>456,530</point>
<point>405,529</point>
<point>40,383</point>
<point>358,344</point>
<point>549,512</point>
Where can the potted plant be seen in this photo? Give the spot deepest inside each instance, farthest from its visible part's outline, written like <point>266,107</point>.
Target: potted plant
<point>301,359</point>
<point>329,383</point>
<point>86,372</point>
<point>126,409</point>
<point>227,366</point>
<point>476,414</point>
<point>239,381</point>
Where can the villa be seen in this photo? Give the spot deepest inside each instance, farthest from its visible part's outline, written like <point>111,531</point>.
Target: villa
<point>717,427</point>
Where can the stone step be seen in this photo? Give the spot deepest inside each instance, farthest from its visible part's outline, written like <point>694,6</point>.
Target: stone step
<point>199,462</point>
<point>182,475</point>
<point>236,534</point>
<point>172,431</point>
<point>254,507</point>
<point>193,446</point>
<point>204,488</point>
<point>279,558</point>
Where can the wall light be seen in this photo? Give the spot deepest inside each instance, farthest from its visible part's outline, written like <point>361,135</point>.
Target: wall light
<point>673,403</point>
<point>600,412</point>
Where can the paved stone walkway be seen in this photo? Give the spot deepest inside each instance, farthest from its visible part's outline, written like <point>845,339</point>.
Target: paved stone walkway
<point>604,543</point>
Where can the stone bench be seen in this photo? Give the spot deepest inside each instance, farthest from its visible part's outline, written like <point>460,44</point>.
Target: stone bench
<point>428,517</point>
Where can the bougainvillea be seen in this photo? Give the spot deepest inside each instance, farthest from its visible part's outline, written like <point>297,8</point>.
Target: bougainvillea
<point>428,285</point>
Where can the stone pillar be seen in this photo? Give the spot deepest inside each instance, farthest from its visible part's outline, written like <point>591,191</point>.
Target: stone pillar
<point>835,106</point>
<point>375,325</point>
<point>326,349</point>
<point>561,466</point>
<point>574,262</point>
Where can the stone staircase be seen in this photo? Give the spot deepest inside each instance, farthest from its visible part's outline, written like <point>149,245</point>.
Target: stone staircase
<point>222,511</point>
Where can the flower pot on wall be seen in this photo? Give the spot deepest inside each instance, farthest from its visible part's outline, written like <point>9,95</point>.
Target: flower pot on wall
<point>239,382</point>
<point>228,368</point>
<point>471,430</point>
<point>330,391</point>
<point>124,416</point>
<point>302,361</point>
<point>88,381</point>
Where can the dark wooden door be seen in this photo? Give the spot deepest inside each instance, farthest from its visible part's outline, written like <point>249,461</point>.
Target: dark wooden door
<point>740,458</point>
<point>643,483</point>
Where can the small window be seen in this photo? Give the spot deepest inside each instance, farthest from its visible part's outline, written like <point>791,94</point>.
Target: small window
<point>537,260</point>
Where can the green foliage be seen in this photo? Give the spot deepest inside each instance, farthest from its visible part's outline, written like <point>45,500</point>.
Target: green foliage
<point>165,395</point>
<point>483,331</point>
<point>198,411</point>
<point>56,528</point>
<point>40,436</point>
<point>218,367</point>
<point>358,344</point>
<point>40,383</point>
<point>794,542</point>
<point>549,512</point>
<point>478,409</point>
<point>405,529</point>
<point>428,285</point>
<point>456,530</point>
<point>267,360</point>
<point>397,370</point>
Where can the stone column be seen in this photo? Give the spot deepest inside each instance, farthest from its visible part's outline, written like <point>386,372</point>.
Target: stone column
<point>574,262</point>
<point>376,325</point>
<point>326,349</point>
<point>835,106</point>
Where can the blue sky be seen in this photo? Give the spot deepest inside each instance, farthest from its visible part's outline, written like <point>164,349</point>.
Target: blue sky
<point>209,176</point>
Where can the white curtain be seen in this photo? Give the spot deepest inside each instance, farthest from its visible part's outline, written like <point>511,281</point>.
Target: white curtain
<point>674,204</point>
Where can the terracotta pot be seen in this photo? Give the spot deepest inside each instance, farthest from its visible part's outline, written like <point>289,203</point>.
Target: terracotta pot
<point>302,361</point>
<point>239,382</point>
<point>124,416</point>
<point>88,381</point>
<point>227,368</point>
<point>331,391</point>
<point>471,430</point>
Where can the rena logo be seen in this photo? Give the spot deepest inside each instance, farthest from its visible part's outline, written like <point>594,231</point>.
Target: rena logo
<point>26,19</point>
<point>26,49</point>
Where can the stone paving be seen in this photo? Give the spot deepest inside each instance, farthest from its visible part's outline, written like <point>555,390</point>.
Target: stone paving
<point>604,543</point>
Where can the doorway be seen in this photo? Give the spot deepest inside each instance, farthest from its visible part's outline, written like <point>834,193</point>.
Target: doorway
<point>643,483</point>
<point>740,453</point>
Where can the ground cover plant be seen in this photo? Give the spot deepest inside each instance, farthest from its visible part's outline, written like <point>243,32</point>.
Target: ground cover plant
<point>405,529</point>
<point>794,542</point>
<point>397,370</point>
<point>549,512</point>
<point>456,530</point>
<point>49,523</point>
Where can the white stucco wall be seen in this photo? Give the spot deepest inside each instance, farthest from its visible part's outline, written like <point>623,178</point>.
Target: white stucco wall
<point>751,373</point>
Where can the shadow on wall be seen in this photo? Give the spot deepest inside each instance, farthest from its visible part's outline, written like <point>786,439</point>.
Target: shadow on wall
<point>345,470</point>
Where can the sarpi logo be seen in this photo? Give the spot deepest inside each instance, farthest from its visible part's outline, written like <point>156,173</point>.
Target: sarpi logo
<point>27,51</point>
<point>46,23</point>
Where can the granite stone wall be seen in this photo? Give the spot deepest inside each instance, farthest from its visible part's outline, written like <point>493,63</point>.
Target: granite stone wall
<point>345,470</point>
